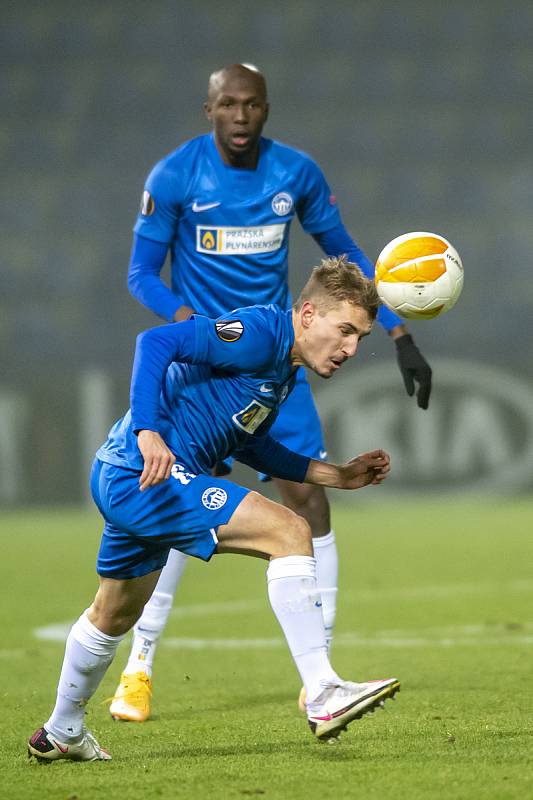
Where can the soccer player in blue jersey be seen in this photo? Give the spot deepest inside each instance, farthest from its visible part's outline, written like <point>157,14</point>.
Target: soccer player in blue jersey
<point>201,390</point>
<point>222,204</point>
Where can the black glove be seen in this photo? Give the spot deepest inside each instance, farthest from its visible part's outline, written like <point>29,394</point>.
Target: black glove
<point>414,367</point>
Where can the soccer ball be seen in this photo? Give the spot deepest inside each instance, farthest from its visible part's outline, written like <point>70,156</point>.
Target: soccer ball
<point>419,275</point>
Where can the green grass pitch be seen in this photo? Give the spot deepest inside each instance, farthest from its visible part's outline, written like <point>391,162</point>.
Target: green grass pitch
<point>438,594</point>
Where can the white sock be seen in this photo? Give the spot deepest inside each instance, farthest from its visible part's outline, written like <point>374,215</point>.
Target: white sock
<point>327,568</point>
<point>150,626</point>
<point>293,593</point>
<point>88,654</point>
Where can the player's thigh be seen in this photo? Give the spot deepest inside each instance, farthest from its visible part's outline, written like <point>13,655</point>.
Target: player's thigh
<point>119,602</point>
<point>263,528</point>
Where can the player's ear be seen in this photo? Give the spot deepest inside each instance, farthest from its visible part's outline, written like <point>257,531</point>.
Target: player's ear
<point>267,109</point>
<point>307,313</point>
<point>207,110</point>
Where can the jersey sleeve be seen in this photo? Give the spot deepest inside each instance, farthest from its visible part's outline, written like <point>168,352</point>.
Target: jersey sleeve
<point>316,209</point>
<point>144,281</point>
<point>161,203</point>
<point>243,341</point>
<point>155,350</point>
<point>265,454</point>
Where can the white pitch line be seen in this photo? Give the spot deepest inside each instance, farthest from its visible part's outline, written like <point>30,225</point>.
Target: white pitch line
<point>185,643</point>
<point>59,632</point>
<point>352,640</point>
<point>218,609</point>
<point>444,636</point>
<point>53,633</point>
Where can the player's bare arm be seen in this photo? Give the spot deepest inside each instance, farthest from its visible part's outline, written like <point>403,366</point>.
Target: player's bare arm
<point>368,468</point>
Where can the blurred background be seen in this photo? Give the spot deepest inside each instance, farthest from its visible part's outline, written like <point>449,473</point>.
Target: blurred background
<point>420,116</point>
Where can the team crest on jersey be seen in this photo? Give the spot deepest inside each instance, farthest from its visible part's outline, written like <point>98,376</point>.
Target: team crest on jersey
<point>214,498</point>
<point>147,204</point>
<point>282,204</point>
<point>229,330</point>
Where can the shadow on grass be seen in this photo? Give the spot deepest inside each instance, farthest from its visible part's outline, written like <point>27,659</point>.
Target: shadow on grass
<point>272,701</point>
<point>306,748</point>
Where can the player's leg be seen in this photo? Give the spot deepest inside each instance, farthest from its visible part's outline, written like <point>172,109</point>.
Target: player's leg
<point>298,427</point>
<point>259,527</point>
<point>154,617</point>
<point>312,504</point>
<point>90,649</point>
<point>132,700</point>
<point>129,566</point>
<point>166,511</point>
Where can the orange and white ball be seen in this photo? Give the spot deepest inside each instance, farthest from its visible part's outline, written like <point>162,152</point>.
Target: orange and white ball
<point>419,275</point>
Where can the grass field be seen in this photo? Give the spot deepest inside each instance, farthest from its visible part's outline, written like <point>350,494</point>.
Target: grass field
<point>440,595</point>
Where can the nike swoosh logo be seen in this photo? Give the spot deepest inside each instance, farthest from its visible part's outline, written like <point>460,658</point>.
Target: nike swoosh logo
<point>204,207</point>
<point>265,388</point>
<point>62,748</point>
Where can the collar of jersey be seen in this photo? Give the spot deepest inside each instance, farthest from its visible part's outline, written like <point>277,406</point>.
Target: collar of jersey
<point>244,171</point>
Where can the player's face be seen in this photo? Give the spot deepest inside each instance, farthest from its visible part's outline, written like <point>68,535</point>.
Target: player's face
<point>327,340</point>
<point>237,109</point>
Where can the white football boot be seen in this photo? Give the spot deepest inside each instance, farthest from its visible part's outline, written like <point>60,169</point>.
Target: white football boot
<point>45,747</point>
<point>339,704</point>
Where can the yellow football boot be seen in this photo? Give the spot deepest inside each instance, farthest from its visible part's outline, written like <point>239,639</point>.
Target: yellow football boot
<point>132,698</point>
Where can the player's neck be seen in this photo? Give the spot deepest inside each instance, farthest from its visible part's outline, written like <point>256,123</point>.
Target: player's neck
<point>246,160</point>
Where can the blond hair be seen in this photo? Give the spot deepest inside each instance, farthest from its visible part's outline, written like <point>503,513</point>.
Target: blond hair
<point>336,280</point>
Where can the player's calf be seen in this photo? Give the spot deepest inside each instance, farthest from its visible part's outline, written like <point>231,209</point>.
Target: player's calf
<point>119,603</point>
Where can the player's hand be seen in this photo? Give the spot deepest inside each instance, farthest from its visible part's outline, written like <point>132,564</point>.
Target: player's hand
<point>414,367</point>
<point>158,460</point>
<point>366,469</point>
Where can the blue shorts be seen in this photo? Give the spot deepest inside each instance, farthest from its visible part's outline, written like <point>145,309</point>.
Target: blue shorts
<point>141,528</point>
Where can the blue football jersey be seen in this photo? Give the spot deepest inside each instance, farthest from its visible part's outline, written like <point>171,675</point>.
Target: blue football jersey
<point>228,228</point>
<point>210,388</point>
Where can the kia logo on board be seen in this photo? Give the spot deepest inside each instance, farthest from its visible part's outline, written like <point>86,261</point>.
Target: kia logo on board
<point>476,436</point>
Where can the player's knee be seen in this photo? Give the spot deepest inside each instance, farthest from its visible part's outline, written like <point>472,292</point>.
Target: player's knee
<point>304,535</point>
<point>113,620</point>
<point>310,502</point>
<point>294,537</point>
